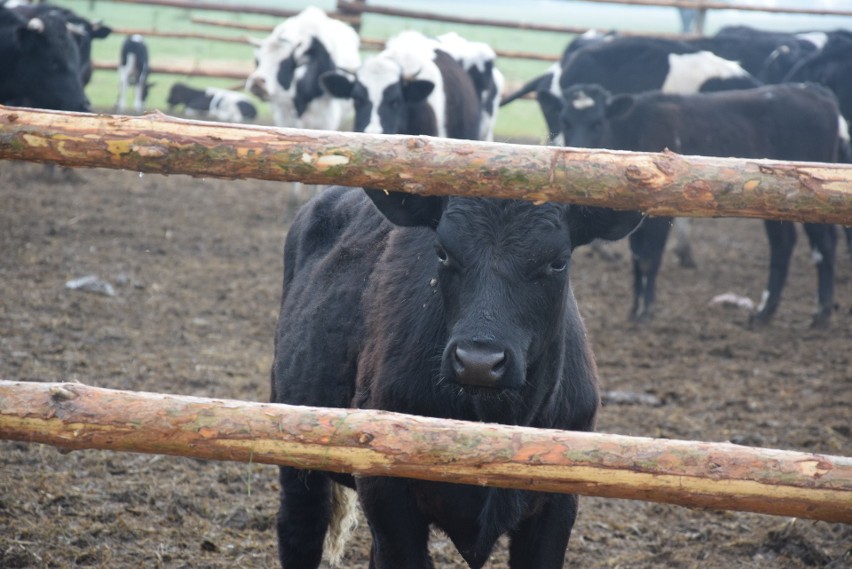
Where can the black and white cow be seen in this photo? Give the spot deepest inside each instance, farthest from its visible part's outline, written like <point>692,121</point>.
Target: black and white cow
<point>82,30</point>
<point>633,65</point>
<point>785,122</point>
<point>219,104</point>
<point>39,63</point>
<point>289,64</point>
<point>447,307</point>
<point>411,88</point>
<point>767,55</point>
<point>133,71</point>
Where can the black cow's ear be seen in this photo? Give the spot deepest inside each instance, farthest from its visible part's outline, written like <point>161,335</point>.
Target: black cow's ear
<point>417,90</point>
<point>408,210</point>
<point>337,84</point>
<point>551,108</point>
<point>619,106</point>
<point>589,223</point>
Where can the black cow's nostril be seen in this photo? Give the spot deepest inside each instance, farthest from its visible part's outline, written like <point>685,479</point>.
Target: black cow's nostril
<point>479,366</point>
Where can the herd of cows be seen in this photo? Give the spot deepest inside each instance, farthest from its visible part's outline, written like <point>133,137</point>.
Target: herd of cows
<point>462,307</point>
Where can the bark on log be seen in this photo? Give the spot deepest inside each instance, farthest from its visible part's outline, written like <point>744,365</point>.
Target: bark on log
<point>376,443</point>
<point>656,183</point>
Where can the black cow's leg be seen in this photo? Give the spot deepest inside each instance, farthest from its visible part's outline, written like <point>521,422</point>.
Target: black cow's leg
<point>782,240</point>
<point>303,517</point>
<point>540,542</point>
<point>848,232</point>
<point>823,240</point>
<point>647,245</point>
<point>400,533</point>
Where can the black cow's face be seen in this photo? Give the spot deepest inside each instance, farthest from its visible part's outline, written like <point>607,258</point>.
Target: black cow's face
<point>502,273</point>
<point>503,278</point>
<point>48,72</point>
<point>586,113</point>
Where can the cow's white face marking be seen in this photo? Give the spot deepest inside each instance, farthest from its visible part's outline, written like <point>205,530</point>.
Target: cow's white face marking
<point>688,71</point>
<point>376,75</point>
<point>582,101</point>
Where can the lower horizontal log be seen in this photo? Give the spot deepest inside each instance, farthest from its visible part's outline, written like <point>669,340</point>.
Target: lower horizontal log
<point>694,474</point>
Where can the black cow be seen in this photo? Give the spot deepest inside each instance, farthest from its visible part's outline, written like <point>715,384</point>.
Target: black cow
<point>784,122</point>
<point>446,307</point>
<point>633,65</point>
<point>82,31</point>
<point>39,63</point>
<point>766,55</point>
<point>411,89</point>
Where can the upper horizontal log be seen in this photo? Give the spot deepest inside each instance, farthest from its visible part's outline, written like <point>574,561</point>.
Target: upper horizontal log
<point>656,183</point>
<point>377,443</point>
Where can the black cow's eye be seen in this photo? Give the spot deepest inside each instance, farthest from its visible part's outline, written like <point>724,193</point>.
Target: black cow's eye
<point>558,265</point>
<point>443,257</point>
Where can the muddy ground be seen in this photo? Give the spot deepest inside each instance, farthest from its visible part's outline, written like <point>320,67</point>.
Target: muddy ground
<point>196,267</point>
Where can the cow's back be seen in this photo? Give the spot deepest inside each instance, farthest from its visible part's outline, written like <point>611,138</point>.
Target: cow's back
<point>782,122</point>
<point>335,240</point>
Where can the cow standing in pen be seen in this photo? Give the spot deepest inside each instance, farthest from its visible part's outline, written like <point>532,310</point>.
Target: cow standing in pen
<point>289,64</point>
<point>39,63</point>
<point>446,307</point>
<point>133,69</point>
<point>800,122</point>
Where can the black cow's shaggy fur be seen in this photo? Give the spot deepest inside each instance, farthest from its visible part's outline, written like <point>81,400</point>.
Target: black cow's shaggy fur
<point>458,308</point>
<point>39,63</point>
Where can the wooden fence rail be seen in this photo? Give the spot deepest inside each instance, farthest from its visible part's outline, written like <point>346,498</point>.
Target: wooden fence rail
<point>656,183</point>
<point>368,442</point>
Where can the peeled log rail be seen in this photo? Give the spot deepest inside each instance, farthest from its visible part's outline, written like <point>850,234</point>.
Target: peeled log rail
<point>656,183</point>
<point>377,443</point>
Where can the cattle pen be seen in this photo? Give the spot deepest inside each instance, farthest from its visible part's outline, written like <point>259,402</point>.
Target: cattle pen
<point>805,485</point>
<point>138,304</point>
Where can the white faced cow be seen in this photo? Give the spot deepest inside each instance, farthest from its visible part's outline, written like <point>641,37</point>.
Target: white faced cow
<point>789,121</point>
<point>290,62</point>
<point>133,71</point>
<point>411,88</point>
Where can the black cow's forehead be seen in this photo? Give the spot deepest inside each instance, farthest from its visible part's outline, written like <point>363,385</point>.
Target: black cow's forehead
<point>509,224</point>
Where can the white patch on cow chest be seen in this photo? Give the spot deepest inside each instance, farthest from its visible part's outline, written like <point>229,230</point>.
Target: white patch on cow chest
<point>688,71</point>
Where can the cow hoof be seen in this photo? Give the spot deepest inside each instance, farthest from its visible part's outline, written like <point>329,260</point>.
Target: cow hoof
<point>821,318</point>
<point>759,320</point>
<point>685,259</point>
<point>641,318</point>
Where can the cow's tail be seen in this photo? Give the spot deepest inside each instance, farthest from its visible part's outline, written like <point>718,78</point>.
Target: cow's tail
<point>344,520</point>
<point>529,87</point>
